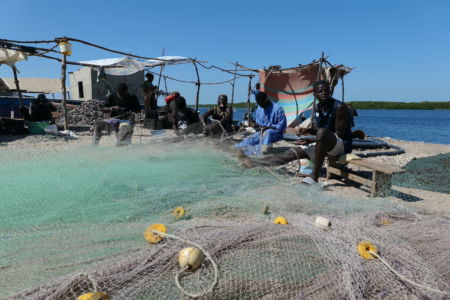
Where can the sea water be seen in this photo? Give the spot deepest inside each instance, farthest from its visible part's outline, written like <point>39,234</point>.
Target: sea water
<point>429,126</point>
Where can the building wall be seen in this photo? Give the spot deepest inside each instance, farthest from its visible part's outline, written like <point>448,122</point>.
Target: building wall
<point>99,90</point>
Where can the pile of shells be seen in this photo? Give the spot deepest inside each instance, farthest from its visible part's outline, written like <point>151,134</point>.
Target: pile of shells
<point>85,114</point>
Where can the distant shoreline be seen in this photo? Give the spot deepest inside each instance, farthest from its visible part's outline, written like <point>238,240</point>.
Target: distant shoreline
<point>374,105</point>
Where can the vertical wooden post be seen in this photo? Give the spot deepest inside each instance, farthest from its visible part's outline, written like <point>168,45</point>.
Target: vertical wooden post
<point>234,82</point>
<point>342,83</point>
<point>311,124</point>
<point>198,86</point>
<point>63,88</point>
<point>16,81</point>
<point>249,93</point>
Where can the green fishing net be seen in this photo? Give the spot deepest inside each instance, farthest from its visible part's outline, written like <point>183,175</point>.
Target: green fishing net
<point>73,223</point>
<point>428,173</point>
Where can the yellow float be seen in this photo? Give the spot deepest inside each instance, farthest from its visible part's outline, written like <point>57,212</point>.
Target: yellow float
<point>153,237</point>
<point>178,212</point>
<point>94,296</point>
<point>280,220</point>
<point>190,258</point>
<point>364,248</point>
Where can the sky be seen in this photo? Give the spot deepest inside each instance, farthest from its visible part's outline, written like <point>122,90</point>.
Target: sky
<point>400,50</point>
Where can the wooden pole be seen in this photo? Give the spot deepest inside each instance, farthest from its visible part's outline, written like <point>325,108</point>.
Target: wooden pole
<point>16,81</point>
<point>311,124</point>
<point>233,84</point>
<point>63,88</point>
<point>198,86</point>
<point>249,93</point>
<point>342,83</point>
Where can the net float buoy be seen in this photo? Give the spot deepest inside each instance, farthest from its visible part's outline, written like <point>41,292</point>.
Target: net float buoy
<point>153,237</point>
<point>280,220</point>
<point>322,223</point>
<point>190,258</point>
<point>178,212</point>
<point>364,248</point>
<point>94,296</point>
<point>385,221</point>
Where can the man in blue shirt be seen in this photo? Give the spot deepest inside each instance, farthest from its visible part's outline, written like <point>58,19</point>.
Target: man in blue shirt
<point>271,124</point>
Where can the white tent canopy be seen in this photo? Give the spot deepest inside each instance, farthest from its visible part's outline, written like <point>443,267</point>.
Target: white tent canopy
<point>127,66</point>
<point>10,57</point>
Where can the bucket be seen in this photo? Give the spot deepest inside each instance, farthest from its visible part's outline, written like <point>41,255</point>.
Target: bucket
<point>36,127</point>
<point>65,48</point>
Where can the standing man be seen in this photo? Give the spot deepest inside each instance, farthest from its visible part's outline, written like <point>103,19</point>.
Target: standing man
<point>222,116</point>
<point>150,97</point>
<point>121,106</point>
<point>332,132</point>
<point>271,124</point>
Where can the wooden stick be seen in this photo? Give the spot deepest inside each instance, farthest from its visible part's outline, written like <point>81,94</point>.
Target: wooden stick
<point>342,83</point>
<point>233,84</point>
<point>249,93</point>
<point>198,86</point>
<point>311,124</point>
<point>16,81</point>
<point>63,88</point>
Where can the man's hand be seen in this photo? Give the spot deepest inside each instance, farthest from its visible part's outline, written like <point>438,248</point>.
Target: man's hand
<point>303,131</point>
<point>302,142</point>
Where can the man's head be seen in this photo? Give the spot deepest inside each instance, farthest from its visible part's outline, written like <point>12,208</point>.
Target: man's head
<point>262,100</point>
<point>122,89</point>
<point>180,103</point>
<point>149,77</point>
<point>41,98</point>
<point>322,90</point>
<point>349,105</point>
<point>222,101</point>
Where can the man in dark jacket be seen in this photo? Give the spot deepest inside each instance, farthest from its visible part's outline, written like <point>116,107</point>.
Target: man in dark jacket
<point>332,130</point>
<point>121,106</point>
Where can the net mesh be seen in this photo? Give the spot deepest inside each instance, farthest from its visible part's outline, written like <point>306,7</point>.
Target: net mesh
<point>73,223</point>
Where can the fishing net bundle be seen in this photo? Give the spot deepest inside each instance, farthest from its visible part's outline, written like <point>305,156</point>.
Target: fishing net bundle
<point>76,226</point>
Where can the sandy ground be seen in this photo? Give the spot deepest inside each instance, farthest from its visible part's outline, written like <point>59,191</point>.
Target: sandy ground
<point>16,147</point>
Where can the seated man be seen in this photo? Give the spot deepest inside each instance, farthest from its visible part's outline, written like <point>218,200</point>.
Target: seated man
<point>41,110</point>
<point>271,124</point>
<point>222,115</point>
<point>185,120</point>
<point>121,105</point>
<point>332,132</point>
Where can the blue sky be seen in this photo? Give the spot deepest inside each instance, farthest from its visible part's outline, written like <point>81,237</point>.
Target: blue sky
<point>400,49</point>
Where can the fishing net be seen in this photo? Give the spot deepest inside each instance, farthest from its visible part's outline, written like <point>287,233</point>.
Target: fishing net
<point>73,223</point>
<point>429,173</point>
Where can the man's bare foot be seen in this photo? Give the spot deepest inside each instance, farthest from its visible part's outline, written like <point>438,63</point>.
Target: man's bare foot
<point>246,162</point>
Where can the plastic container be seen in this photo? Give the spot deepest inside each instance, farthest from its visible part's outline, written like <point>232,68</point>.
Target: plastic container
<point>65,48</point>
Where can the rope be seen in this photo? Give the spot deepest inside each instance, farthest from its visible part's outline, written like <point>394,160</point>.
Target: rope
<point>94,284</point>
<point>207,255</point>
<point>193,82</point>
<point>406,279</point>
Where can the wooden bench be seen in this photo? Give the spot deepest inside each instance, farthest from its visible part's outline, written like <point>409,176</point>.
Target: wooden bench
<point>379,184</point>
